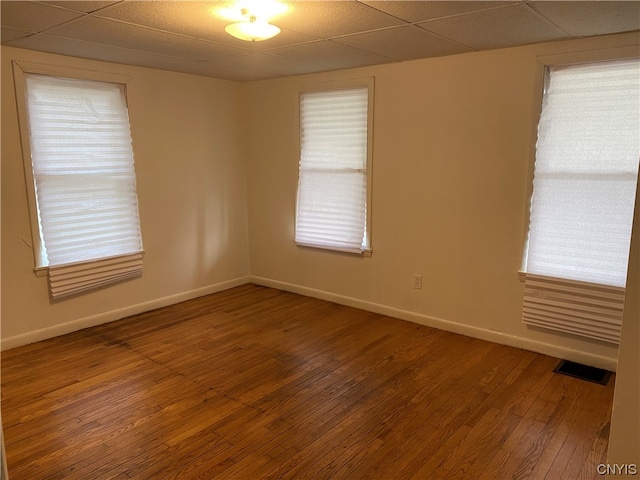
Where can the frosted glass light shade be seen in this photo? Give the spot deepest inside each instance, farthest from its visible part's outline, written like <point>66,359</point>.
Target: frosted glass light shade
<point>252,31</point>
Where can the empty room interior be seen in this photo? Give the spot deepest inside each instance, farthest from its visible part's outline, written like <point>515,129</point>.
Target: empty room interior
<point>342,239</point>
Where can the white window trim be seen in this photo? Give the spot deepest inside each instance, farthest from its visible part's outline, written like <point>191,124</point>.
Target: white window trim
<point>368,82</point>
<point>605,325</point>
<point>19,70</point>
<point>542,63</point>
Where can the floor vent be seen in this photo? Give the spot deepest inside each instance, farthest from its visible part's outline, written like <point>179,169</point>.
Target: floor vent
<point>583,372</point>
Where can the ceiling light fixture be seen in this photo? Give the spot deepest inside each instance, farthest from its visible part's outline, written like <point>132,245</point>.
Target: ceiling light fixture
<point>253,29</point>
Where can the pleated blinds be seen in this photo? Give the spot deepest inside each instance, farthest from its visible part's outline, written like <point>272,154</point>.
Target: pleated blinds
<point>332,186</point>
<point>582,205</point>
<point>82,163</point>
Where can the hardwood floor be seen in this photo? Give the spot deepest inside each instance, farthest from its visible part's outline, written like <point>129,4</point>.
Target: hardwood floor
<point>255,383</point>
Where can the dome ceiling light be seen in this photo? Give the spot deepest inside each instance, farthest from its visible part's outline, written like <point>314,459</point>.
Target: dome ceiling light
<point>253,29</point>
<point>251,19</point>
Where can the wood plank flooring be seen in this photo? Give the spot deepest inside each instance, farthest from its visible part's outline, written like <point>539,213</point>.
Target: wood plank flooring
<point>256,383</point>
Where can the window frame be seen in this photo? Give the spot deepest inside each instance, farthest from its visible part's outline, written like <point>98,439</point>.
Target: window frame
<point>542,66</point>
<point>369,83</point>
<point>577,307</point>
<point>20,69</point>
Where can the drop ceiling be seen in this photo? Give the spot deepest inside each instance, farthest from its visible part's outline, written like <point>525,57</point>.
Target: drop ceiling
<point>189,36</point>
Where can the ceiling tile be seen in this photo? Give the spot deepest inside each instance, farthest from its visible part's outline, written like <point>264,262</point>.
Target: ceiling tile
<point>78,48</point>
<point>329,54</point>
<point>85,7</point>
<point>275,66</point>
<point>189,36</point>
<point>10,34</point>
<point>402,43</point>
<point>195,19</point>
<point>33,17</point>
<point>258,66</point>
<point>124,35</point>
<point>328,19</point>
<point>107,53</point>
<point>497,28</point>
<point>416,11</point>
<point>592,18</point>
<point>208,69</point>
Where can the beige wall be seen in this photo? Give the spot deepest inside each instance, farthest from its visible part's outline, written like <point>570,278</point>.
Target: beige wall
<point>453,141</point>
<point>191,173</point>
<point>453,138</point>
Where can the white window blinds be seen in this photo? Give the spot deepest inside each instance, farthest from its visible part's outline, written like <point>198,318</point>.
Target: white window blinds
<point>332,186</point>
<point>84,179</point>
<point>583,192</point>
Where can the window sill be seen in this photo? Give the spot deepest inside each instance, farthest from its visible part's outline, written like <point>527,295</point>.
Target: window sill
<point>41,271</point>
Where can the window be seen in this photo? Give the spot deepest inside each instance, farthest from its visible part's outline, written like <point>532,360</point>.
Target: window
<point>81,180</point>
<point>333,207</point>
<point>585,177</point>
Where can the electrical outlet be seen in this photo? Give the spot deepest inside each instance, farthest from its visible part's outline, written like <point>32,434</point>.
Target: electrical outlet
<point>417,282</point>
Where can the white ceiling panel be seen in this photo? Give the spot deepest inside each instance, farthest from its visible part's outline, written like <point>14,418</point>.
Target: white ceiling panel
<point>125,56</point>
<point>10,34</point>
<point>78,48</point>
<point>417,11</point>
<point>271,66</point>
<point>330,54</point>
<point>194,19</point>
<point>124,35</point>
<point>591,18</point>
<point>496,28</point>
<point>33,17</point>
<point>84,7</point>
<point>327,19</point>
<point>189,36</point>
<point>403,43</point>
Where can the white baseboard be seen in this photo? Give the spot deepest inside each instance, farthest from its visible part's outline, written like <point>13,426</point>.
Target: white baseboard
<point>468,330</point>
<point>110,316</point>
